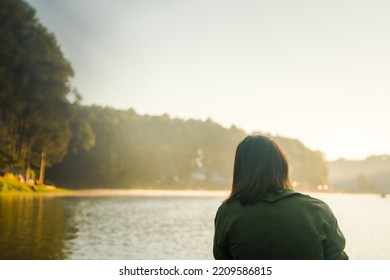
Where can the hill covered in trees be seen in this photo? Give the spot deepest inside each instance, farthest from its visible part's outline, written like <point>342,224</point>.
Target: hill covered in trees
<point>143,151</point>
<point>365,176</point>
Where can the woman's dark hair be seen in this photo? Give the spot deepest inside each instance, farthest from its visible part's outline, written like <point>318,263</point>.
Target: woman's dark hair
<point>260,166</point>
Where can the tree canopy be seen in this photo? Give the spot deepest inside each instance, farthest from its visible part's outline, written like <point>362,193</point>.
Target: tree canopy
<point>141,151</point>
<point>36,114</point>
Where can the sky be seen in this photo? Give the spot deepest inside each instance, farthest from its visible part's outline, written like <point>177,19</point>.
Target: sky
<point>316,71</point>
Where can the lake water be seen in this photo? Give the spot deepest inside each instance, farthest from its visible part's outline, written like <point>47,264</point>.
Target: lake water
<point>173,226</point>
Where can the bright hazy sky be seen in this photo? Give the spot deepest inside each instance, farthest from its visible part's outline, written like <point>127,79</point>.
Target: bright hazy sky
<point>317,71</point>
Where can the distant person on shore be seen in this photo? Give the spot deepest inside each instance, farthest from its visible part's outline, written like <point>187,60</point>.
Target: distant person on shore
<point>263,218</point>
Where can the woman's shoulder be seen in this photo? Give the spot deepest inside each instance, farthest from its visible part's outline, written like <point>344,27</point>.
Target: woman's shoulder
<point>228,208</point>
<point>312,203</point>
<point>298,200</point>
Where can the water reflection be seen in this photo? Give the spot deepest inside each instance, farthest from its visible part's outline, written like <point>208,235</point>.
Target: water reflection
<point>31,227</point>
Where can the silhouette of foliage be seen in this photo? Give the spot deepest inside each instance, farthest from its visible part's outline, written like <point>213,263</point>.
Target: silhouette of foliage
<point>158,151</point>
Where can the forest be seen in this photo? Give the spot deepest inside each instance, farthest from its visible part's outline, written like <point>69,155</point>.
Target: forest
<point>132,150</point>
<point>44,127</point>
<point>369,175</point>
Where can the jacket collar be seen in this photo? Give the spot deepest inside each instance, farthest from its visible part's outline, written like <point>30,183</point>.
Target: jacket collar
<point>279,195</point>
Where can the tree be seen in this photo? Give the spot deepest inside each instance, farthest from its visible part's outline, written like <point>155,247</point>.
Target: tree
<point>36,114</point>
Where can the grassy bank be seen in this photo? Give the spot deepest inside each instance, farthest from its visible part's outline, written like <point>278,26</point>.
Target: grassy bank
<point>11,185</point>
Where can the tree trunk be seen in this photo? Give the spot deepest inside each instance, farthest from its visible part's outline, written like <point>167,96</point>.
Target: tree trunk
<point>42,170</point>
<point>27,163</point>
<point>20,139</point>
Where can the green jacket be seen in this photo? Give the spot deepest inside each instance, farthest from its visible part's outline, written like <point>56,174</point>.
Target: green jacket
<point>285,225</point>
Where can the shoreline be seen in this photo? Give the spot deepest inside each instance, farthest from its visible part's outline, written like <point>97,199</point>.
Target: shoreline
<point>142,192</point>
<point>156,193</point>
<point>60,192</point>
<point>179,193</point>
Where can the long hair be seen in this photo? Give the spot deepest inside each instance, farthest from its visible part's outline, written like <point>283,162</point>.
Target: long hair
<point>260,166</point>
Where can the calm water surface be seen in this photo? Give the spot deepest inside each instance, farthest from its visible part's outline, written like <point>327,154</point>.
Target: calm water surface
<point>147,227</point>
